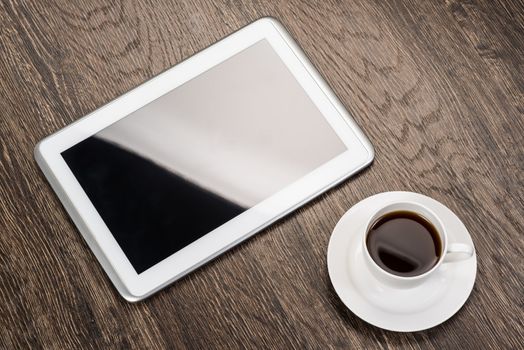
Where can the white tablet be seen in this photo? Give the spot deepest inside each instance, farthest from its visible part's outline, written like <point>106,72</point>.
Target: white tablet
<point>201,157</point>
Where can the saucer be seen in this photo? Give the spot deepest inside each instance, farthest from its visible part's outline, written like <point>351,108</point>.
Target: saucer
<point>384,306</point>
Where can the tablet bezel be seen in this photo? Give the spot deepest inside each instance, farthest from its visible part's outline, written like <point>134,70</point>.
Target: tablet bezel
<point>133,286</point>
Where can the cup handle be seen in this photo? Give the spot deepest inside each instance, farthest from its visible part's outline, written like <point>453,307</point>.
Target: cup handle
<point>458,252</point>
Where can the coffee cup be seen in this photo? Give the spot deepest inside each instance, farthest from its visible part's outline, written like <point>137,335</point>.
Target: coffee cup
<point>405,243</point>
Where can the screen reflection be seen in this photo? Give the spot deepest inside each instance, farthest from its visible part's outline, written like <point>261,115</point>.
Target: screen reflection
<point>198,156</point>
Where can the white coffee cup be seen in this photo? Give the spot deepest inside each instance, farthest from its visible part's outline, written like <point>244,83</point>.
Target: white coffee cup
<point>451,252</point>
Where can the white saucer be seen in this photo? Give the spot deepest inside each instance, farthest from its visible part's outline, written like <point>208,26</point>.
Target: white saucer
<point>400,310</point>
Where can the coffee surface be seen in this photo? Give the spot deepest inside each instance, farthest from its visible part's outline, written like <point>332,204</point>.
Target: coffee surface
<point>404,243</point>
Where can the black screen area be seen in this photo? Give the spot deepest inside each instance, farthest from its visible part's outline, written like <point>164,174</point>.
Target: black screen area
<point>150,211</point>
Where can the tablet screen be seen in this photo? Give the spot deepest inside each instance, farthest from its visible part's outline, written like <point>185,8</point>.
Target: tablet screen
<point>200,155</point>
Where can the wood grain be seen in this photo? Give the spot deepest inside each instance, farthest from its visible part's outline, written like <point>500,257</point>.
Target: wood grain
<point>437,85</point>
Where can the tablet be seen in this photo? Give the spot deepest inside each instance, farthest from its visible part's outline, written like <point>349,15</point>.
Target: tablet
<point>201,157</point>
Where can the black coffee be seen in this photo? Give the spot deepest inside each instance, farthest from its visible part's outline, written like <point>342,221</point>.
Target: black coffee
<point>404,243</point>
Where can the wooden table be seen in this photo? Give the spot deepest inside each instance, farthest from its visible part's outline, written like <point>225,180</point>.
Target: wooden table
<point>436,85</point>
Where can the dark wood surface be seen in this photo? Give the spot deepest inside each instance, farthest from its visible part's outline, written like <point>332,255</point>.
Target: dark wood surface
<point>436,85</point>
